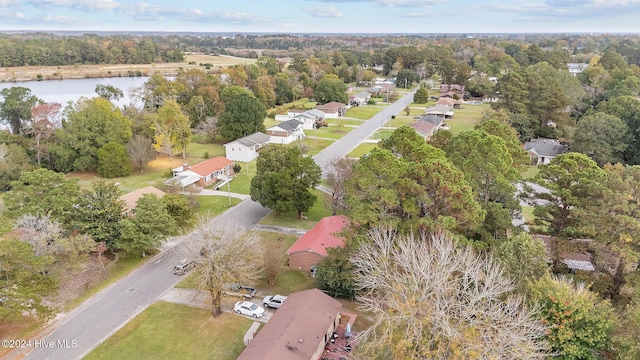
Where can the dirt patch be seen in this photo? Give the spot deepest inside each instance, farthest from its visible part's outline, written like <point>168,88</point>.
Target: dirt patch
<point>31,73</point>
<point>77,282</point>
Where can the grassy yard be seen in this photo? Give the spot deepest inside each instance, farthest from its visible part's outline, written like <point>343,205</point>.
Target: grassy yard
<point>466,118</point>
<point>344,121</point>
<point>400,121</point>
<point>364,112</point>
<point>317,212</point>
<point>330,132</point>
<point>287,282</point>
<point>530,172</point>
<point>381,134</point>
<point>241,183</point>
<point>172,331</point>
<point>314,146</point>
<point>214,205</point>
<point>362,149</point>
<point>198,150</point>
<point>527,213</point>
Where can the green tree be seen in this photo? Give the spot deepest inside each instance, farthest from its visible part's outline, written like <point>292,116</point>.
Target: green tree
<point>178,207</point>
<point>330,88</point>
<point>523,258</point>
<point>243,115</point>
<point>113,161</point>
<point>14,160</point>
<point>580,324</point>
<point>602,137</point>
<point>98,212</point>
<point>109,92</point>
<point>172,128</point>
<point>284,179</point>
<point>15,109</point>
<point>406,78</point>
<point>574,182</point>
<point>627,108</point>
<point>335,273</point>
<point>421,96</point>
<point>23,281</point>
<point>489,170</point>
<point>413,184</point>
<point>90,124</point>
<point>148,229</point>
<point>42,192</point>
<point>503,130</point>
<point>283,89</point>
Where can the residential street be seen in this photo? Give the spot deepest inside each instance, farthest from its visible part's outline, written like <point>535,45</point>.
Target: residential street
<point>95,320</point>
<point>73,335</point>
<point>344,145</point>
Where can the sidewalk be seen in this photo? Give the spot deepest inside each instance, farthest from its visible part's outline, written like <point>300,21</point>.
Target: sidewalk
<point>209,192</point>
<point>279,229</point>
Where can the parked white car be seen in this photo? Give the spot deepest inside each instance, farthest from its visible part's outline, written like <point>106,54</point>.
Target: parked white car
<point>274,301</point>
<point>249,309</point>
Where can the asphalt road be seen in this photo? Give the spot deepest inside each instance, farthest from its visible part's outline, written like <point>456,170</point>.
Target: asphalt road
<point>98,318</point>
<point>344,145</point>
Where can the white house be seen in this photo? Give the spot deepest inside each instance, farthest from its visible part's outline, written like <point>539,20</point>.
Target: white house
<point>286,132</point>
<point>246,148</point>
<point>543,150</point>
<point>309,118</point>
<point>361,98</point>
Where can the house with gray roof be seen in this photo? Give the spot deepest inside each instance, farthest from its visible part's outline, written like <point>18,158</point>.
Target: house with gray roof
<point>361,98</point>
<point>440,110</point>
<point>246,148</point>
<point>286,132</point>
<point>433,119</point>
<point>309,118</point>
<point>543,150</point>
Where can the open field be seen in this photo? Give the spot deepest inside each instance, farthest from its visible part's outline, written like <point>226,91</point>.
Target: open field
<point>466,118</point>
<point>172,331</point>
<point>30,73</point>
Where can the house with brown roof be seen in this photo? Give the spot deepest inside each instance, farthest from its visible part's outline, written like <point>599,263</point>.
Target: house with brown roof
<point>424,128</point>
<point>218,169</point>
<point>452,103</point>
<point>333,109</point>
<point>311,247</point>
<point>131,199</point>
<point>543,150</point>
<point>299,330</point>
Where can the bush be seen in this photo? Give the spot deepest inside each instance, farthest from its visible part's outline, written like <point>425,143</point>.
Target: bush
<point>236,168</point>
<point>206,154</point>
<point>371,102</point>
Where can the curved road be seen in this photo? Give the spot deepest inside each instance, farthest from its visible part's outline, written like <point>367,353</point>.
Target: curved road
<point>74,335</point>
<point>345,144</point>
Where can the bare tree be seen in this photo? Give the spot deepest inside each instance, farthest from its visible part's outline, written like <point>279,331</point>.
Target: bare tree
<point>208,128</point>
<point>140,150</point>
<point>39,231</point>
<point>339,170</point>
<point>434,300</point>
<point>274,259</point>
<point>226,253</point>
<point>45,118</point>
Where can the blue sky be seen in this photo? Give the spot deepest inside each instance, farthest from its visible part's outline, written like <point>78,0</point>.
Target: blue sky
<point>322,16</point>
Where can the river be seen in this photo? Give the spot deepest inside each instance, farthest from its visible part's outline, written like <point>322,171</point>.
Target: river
<point>70,90</point>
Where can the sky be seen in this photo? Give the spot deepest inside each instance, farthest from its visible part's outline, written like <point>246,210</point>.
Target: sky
<point>325,16</point>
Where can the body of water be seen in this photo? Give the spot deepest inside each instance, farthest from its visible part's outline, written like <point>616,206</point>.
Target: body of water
<point>70,90</point>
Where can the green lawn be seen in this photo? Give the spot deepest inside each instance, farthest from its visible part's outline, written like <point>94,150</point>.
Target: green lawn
<point>214,205</point>
<point>530,172</point>
<point>330,132</point>
<point>287,282</point>
<point>172,331</point>
<point>313,146</point>
<point>400,121</point>
<point>381,134</point>
<point>527,213</point>
<point>466,118</point>
<point>364,112</point>
<point>197,150</point>
<point>362,149</point>
<point>317,212</point>
<point>241,183</point>
<point>343,121</point>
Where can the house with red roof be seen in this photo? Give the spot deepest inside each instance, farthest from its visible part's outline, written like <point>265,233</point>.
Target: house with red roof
<point>212,171</point>
<point>311,248</point>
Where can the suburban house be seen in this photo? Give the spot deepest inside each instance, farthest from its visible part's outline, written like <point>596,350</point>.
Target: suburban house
<point>361,98</point>
<point>576,68</point>
<point>311,248</point>
<point>579,259</point>
<point>130,199</point>
<point>543,150</point>
<point>286,132</point>
<point>440,110</point>
<point>299,330</point>
<point>455,88</point>
<point>452,103</point>
<point>435,120</point>
<point>209,172</point>
<point>246,148</point>
<point>424,128</point>
<point>310,118</point>
<point>333,109</point>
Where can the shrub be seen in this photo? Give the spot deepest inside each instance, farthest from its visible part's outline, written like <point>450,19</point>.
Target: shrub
<point>236,168</point>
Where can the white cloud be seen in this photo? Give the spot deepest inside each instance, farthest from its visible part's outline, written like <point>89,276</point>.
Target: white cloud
<point>553,10</point>
<point>9,3</point>
<point>323,11</point>
<point>390,3</point>
<point>84,5</point>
